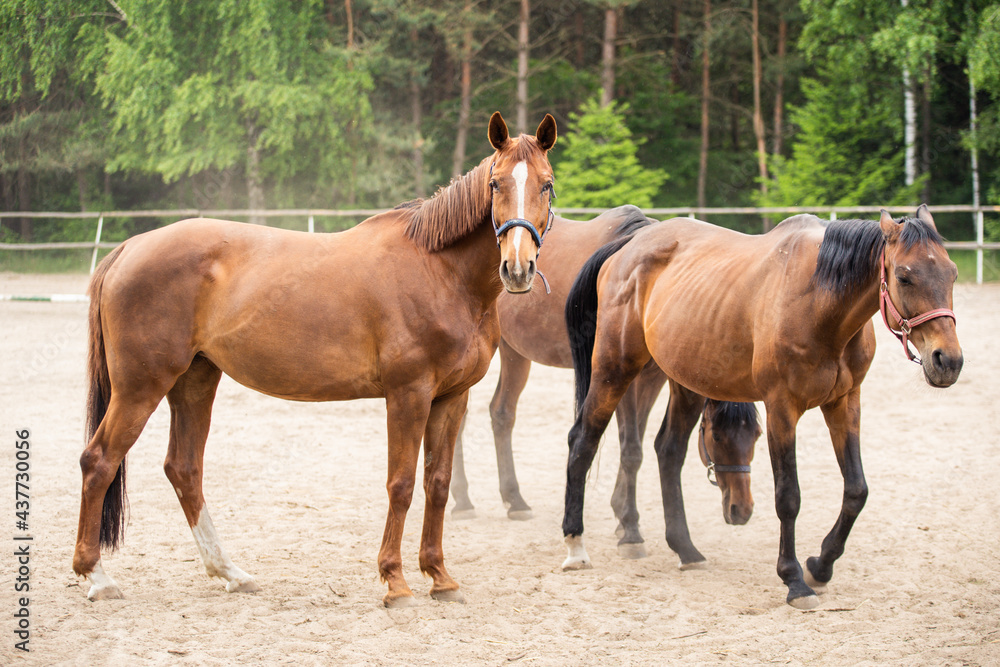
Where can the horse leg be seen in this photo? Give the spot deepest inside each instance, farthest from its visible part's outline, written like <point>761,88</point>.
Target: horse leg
<point>406,416</point>
<point>632,415</point>
<point>503,410</point>
<point>443,423</point>
<point>190,402</point>
<point>843,418</point>
<point>671,446</point>
<point>781,422</point>
<point>612,373</point>
<point>463,508</point>
<point>99,463</point>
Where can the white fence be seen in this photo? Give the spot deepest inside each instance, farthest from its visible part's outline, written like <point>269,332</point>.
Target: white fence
<point>311,214</point>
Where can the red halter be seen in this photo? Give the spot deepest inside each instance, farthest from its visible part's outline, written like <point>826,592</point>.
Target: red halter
<point>905,325</point>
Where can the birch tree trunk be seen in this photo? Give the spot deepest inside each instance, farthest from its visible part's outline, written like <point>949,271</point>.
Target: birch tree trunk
<point>910,119</point>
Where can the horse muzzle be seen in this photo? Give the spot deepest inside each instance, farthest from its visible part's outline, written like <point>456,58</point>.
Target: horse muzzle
<point>942,367</point>
<point>736,511</point>
<point>517,276</point>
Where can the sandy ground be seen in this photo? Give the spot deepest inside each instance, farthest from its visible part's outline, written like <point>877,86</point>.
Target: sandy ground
<point>297,493</point>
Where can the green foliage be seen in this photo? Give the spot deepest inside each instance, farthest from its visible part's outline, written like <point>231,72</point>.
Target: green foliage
<point>598,166</point>
<point>846,151</point>
<point>196,86</point>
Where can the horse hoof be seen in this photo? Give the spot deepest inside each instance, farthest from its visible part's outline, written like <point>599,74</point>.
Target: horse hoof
<point>577,558</point>
<point>452,595</point>
<point>463,515</point>
<point>109,592</point>
<point>805,602</point>
<point>694,565</point>
<point>243,586</point>
<point>632,550</point>
<point>401,602</point>
<point>577,563</point>
<point>817,586</point>
<point>519,515</point>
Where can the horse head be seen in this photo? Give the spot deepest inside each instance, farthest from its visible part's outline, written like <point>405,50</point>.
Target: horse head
<point>726,442</point>
<point>917,278</point>
<point>521,186</point>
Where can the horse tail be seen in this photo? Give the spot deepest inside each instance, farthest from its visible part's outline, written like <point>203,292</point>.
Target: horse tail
<point>98,398</point>
<point>581,313</point>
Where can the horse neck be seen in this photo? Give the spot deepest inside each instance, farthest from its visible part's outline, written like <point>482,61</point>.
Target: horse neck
<point>847,312</point>
<point>474,263</point>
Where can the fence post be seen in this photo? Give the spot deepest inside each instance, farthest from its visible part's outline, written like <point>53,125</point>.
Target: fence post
<point>312,227</point>
<point>97,241</point>
<point>833,216</point>
<point>979,247</point>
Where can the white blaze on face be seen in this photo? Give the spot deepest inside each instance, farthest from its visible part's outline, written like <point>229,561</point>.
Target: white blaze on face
<point>520,174</point>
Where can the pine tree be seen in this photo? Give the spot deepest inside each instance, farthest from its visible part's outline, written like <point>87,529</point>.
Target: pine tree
<point>599,167</point>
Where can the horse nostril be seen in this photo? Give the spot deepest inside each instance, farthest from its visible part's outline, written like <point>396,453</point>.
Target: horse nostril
<point>504,270</point>
<point>531,268</point>
<point>937,358</point>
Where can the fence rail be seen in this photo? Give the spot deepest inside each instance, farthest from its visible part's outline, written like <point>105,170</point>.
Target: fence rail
<point>833,212</point>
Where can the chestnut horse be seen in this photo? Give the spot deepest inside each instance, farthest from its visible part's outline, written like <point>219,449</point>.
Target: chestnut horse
<point>401,307</point>
<point>783,318</point>
<point>533,328</point>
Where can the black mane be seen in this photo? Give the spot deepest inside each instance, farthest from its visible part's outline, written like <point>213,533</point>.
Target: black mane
<point>634,220</point>
<point>849,255</point>
<point>731,417</point>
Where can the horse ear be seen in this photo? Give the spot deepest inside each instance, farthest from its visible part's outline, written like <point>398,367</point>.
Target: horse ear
<point>546,133</point>
<point>888,225</point>
<point>924,215</point>
<point>499,136</point>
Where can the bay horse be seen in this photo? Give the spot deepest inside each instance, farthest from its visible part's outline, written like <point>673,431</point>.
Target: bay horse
<point>401,306</point>
<point>533,329</point>
<point>784,318</point>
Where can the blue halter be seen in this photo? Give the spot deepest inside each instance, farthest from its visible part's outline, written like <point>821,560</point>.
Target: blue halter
<point>521,222</point>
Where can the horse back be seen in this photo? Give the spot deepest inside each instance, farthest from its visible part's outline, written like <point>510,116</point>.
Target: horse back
<point>290,314</point>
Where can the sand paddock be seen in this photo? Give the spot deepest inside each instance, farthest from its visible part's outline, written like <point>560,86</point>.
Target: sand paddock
<point>297,492</point>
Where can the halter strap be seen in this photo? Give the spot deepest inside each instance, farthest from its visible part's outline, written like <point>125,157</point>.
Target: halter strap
<point>712,468</point>
<point>526,224</point>
<point>905,325</point>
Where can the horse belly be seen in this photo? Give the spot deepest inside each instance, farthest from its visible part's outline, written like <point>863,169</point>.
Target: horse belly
<point>698,343</point>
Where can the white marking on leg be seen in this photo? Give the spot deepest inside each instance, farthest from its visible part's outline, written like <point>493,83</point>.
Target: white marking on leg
<point>217,562</point>
<point>102,587</point>
<point>577,558</point>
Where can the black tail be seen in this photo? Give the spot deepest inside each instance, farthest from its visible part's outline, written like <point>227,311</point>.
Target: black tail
<point>581,307</point>
<point>98,398</point>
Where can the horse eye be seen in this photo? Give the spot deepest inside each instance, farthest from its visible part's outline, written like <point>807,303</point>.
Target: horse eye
<point>903,280</point>
<point>494,185</point>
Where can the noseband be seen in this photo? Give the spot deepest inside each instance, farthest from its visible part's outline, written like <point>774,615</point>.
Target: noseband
<point>905,325</point>
<point>712,468</point>
<point>526,224</point>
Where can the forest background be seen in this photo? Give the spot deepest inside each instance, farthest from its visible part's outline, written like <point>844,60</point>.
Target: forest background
<point>347,104</point>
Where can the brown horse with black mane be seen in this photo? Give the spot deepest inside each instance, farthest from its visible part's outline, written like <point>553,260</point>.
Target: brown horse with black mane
<point>784,318</point>
<point>401,307</point>
<point>533,329</point>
